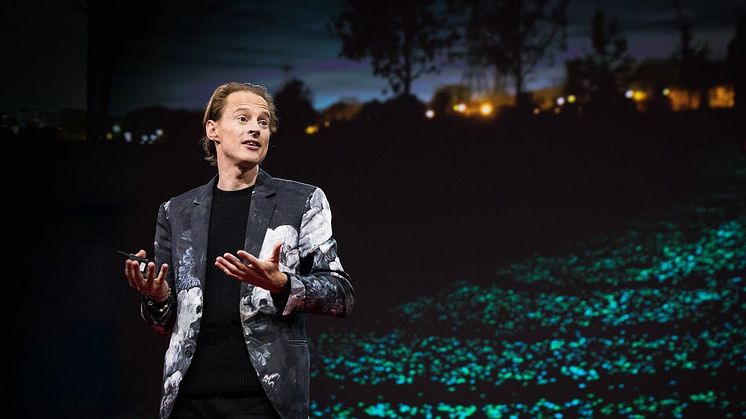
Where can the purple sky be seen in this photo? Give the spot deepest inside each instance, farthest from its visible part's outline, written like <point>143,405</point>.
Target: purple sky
<point>175,57</point>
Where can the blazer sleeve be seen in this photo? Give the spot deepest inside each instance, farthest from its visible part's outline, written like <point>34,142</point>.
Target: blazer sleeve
<point>321,286</point>
<point>162,321</point>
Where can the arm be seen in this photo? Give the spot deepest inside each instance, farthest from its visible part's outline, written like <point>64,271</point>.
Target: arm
<point>161,316</point>
<point>322,286</point>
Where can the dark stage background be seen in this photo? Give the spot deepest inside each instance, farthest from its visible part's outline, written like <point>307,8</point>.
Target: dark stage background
<point>566,265</point>
<point>584,263</point>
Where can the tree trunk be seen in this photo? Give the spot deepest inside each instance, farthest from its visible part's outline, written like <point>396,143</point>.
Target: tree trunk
<point>520,100</point>
<point>407,78</point>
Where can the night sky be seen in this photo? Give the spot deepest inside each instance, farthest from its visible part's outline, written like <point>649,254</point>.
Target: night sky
<point>174,56</point>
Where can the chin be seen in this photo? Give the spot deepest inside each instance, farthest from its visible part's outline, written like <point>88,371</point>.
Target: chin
<point>249,162</point>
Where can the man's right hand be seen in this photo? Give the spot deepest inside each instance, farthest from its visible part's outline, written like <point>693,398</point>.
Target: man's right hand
<point>154,287</point>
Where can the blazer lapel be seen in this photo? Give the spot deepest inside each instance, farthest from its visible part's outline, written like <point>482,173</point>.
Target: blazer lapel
<point>260,213</point>
<point>200,224</point>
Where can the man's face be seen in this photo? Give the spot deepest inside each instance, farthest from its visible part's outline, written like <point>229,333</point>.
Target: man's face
<point>241,134</point>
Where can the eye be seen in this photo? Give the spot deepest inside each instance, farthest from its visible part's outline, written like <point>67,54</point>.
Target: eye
<point>263,122</point>
<point>243,118</point>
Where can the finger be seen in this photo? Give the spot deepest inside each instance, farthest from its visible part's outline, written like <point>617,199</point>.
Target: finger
<point>275,257</point>
<point>232,268</point>
<point>141,253</point>
<point>161,275</point>
<point>164,271</point>
<point>251,259</point>
<point>222,264</point>
<point>128,273</point>
<point>150,273</point>
<point>234,260</point>
<point>135,274</point>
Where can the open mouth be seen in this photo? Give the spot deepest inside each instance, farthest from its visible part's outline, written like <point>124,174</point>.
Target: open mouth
<point>253,144</point>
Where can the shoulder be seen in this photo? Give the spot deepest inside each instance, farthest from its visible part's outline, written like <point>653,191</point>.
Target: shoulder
<point>187,198</point>
<point>287,186</point>
<point>302,193</point>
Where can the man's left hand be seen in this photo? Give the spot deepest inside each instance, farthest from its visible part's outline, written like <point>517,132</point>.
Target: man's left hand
<point>245,267</point>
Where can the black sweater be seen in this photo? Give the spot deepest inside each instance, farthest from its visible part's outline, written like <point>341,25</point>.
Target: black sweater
<point>221,362</point>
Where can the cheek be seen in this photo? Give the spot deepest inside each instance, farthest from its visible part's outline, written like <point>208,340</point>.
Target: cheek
<point>234,135</point>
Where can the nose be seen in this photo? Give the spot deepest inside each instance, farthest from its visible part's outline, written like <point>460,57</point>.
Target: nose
<point>254,129</point>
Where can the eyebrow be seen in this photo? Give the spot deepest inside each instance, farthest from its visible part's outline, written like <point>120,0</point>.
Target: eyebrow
<point>244,109</point>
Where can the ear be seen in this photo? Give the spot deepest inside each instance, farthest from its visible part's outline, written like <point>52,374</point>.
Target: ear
<point>211,130</point>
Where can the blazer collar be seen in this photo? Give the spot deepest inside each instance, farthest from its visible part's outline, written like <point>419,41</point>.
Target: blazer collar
<point>260,214</point>
<point>264,186</point>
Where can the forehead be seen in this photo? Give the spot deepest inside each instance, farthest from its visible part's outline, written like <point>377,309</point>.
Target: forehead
<point>246,100</point>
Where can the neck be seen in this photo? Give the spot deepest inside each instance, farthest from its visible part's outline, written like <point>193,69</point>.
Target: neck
<point>234,178</point>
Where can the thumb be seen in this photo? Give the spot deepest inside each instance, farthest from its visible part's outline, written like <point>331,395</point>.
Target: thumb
<point>276,250</point>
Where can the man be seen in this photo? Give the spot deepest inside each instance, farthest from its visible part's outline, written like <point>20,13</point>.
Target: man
<point>241,259</point>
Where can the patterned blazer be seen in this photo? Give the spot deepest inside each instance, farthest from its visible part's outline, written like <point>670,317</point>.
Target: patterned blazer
<point>273,327</point>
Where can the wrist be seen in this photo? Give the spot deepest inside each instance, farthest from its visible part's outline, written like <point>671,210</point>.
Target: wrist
<point>160,299</point>
<point>283,283</point>
<point>157,307</point>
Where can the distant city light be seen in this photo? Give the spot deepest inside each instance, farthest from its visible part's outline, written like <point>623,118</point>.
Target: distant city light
<point>486,109</point>
<point>109,136</point>
<point>571,99</point>
<point>722,97</point>
<point>639,95</point>
<point>159,132</point>
<point>666,91</point>
<point>628,94</point>
<point>557,109</point>
<point>327,123</point>
<point>116,128</point>
<point>560,101</point>
<point>312,129</point>
<point>459,107</point>
<point>152,137</point>
<point>127,137</point>
<point>537,111</point>
<point>430,114</point>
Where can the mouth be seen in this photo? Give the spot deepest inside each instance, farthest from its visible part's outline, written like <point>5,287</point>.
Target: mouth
<point>252,144</point>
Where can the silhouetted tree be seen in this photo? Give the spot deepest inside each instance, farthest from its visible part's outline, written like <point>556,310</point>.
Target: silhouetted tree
<point>692,59</point>
<point>342,110</point>
<point>514,35</point>
<point>402,38</point>
<point>655,75</point>
<point>602,75</point>
<point>294,107</point>
<point>370,111</point>
<point>100,67</point>
<point>117,33</point>
<point>446,96</point>
<point>577,82</point>
<point>737,63</point>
